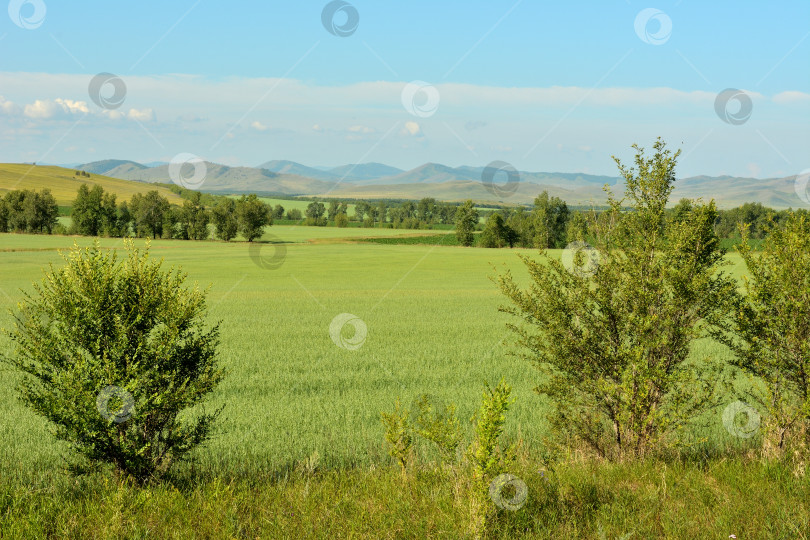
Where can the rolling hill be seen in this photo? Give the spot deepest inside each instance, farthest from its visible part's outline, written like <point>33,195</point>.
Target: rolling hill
<point>224,179</point>
<point>364,171</point>
<point>64,183</point>
<point>376,180</point>
<point>279,166</point>
<point>111,167</point>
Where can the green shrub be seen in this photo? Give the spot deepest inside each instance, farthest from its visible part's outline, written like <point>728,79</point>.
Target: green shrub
<point>487,456</point>
<point>438,423</point>
<point>611,332</point>
<point>113,352</point>
<point>398,435</point>
<point>770,333</point>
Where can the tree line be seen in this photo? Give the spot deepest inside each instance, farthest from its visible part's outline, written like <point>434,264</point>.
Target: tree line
<point>422,214</point>
<point>27,211</point>
<point>96,213</point>
<point>551,224</point>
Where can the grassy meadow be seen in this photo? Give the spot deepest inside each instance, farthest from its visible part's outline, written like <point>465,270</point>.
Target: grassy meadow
<point>64,184</point>
<point>433,327</point>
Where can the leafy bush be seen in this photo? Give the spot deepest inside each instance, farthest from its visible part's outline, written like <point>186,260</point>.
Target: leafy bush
<point>485,453</point>
<point>398,434</point>
<point>438,423</point>
<point>113,352</point>
<point>770,329</point>
<point>612,334</point>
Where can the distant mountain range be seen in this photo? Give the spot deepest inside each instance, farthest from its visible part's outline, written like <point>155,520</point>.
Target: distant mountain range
<point>351,173</point>
<point>377,180</point>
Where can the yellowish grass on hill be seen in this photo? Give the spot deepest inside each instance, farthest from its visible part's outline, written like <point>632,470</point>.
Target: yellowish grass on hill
<point>64,183</point>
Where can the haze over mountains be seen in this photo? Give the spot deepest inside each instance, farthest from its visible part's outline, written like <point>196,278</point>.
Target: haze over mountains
<point>377,180</point>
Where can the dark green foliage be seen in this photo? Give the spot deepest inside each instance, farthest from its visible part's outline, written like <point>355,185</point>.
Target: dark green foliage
<point>294,214</point>
<point>497,233</point>
<point>334,207</point>
<point>360,210</point>
<point>341,220</point>
<point>113,352</point>
<point>425,209</point>
<point>88,214</point>
<point>382,212</point>
<point>252,215</point>
<point>149,213</point>
<point>755,216</point>
<point>194,219</point>
<point>549,218</point>
<point>172,226</point>
<point>125,219</point>
<point>428,240</point>
<point>28,211</point>
<point>315,210</point>
<point>223,216</point>
<point>466,220</point>
<point>95,213</point>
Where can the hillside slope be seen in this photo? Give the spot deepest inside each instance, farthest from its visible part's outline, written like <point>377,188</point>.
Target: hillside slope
<point>64,183</point>
<point>221,178</point>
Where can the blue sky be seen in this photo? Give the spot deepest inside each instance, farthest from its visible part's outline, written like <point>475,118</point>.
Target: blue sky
<point>546,86</point>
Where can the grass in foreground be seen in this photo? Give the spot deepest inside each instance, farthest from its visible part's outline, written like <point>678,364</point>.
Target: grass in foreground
<point>698,499</point>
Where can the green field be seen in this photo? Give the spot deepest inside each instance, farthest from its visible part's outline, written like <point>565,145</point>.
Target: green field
<point>433,327</point>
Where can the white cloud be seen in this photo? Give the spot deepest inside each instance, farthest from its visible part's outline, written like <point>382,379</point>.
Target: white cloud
<point>258,126</point>
<point>412,128</point>
<point>57,108</point>
<point>142,115</point>
<point>361,129</point>
<point>791,98</point>
<point>113,114</point>
<point>40,109</point>
<point>7,107</point>
<point>73,107</point>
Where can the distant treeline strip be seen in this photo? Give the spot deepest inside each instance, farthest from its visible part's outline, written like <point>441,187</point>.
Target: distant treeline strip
<point>549,223</point>
<point>96,212</point>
